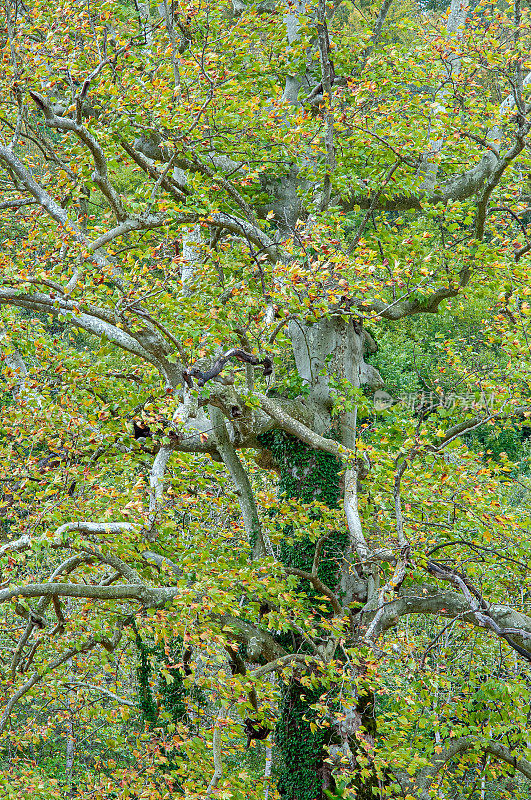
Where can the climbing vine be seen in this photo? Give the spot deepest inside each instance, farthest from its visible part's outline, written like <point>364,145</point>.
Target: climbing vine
<point>301,747</point>
<point>309,476</point>
<point>170,681</point>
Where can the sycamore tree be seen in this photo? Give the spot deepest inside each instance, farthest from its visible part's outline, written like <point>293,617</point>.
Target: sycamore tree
<point>224,229</point>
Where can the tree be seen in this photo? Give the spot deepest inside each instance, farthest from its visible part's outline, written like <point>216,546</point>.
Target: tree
<point>279,187</point>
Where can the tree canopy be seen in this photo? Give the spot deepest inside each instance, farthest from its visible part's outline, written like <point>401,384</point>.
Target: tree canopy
<point>264,490</point>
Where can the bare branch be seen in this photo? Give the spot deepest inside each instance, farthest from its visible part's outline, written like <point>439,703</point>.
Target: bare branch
<point>52,208</point>
<point>65,568</point>
<point>89,644</point>
<point>102,690</point>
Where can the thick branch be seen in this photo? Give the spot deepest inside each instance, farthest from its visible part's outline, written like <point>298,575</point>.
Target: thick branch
<point>247,228</point>
<point>135,591</point>
<point>358,542</point>
<point>243,486</point>
<point>145,222</point>
<point>458,187</point>
<point>281,663</point>
<point>260,644</point>
<point>301,431</point>
<point>100,175</point>
<point>216,748</point>
<point>92,324</point>
<point>476,603</point>
<point>52,208</point>
<point>318,585</point>
<point>428,599</point>
<point>156,479</point>
<point>494,178</point>
<point>406,306</point>
<point>423,781</point>
<point>14,204</point>
<point>240,227</point>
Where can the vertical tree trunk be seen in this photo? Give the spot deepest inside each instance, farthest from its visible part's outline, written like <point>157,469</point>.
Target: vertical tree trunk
<point>331,348</point>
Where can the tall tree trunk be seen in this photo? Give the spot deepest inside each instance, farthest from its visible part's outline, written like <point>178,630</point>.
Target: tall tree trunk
<point>330,349</point>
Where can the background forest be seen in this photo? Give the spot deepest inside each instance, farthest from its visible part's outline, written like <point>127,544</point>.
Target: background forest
<point>266,405</point>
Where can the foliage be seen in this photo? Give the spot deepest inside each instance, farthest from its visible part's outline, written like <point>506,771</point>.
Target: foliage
<point>224,228</point>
